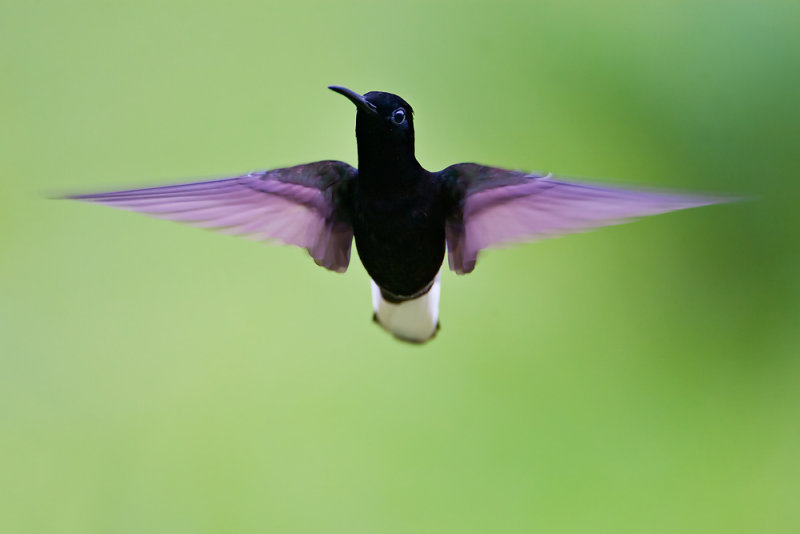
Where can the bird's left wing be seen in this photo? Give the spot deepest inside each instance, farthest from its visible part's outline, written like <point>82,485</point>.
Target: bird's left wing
<point>491,206</point>
<point>306,205</point>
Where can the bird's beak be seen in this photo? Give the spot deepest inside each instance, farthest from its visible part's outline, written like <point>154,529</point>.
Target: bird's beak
<point>357,99</point>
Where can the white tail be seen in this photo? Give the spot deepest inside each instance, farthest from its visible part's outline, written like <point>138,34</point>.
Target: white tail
<point>414,320</point>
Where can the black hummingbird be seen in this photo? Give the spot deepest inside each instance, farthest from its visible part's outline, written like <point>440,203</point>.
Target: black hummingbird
<point>400,214</point>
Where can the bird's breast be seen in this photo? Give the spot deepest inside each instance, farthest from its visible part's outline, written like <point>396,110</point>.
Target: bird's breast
<point>399,239</point>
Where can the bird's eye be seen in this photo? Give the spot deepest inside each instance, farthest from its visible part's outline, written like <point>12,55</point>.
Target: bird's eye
<point>399,115</point>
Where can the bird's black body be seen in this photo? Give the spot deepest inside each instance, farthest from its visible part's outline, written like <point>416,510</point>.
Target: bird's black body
<point>399,236</point>
<point>398,209</point>
<point>400,215</point>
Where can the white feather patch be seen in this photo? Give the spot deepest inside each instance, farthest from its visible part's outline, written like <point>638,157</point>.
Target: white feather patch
<point>412,320</point>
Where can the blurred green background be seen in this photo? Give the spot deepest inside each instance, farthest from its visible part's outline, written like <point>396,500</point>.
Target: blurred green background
<point>642,378</point>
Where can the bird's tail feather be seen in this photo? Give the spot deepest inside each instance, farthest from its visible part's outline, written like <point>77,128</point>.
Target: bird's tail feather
<point>415,320</point>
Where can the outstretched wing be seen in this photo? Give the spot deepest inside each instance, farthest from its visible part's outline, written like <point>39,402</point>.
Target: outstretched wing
<point>491,206</point>
<point>306,205</point>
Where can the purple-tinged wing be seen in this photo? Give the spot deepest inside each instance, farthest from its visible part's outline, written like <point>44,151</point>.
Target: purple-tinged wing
<point>303,205</point>
<point>494,207</point>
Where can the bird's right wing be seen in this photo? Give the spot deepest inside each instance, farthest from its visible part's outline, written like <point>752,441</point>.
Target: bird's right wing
<point>306,205</point>
<point>492,206</point>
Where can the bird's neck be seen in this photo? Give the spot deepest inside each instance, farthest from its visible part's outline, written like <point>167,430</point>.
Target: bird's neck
<point>384,162</point>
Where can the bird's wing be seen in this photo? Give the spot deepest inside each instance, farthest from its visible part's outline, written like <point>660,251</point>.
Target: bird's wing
<point>305,205</point>
<point>492,206</point>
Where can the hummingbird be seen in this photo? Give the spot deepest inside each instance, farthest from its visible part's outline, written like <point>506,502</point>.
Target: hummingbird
<point>402,217</point>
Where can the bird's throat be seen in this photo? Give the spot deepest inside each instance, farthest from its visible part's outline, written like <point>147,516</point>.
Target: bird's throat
<point>385,153</point>
<point>391,164</point>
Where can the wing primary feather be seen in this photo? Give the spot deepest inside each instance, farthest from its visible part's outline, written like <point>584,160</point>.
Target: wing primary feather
<point>299,205</point>
<point>493,207</point>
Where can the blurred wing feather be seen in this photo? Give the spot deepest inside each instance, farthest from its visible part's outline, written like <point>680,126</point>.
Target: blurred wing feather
<point>302,205</point>
<point>495,207</point>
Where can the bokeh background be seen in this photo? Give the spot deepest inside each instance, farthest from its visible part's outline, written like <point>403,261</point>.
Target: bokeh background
<point>642,378</point>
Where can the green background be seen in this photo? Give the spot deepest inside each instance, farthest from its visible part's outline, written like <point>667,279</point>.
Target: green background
<point>638,379</point>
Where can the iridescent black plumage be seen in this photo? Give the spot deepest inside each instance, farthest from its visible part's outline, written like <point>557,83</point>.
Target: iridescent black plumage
<point>399,213</point>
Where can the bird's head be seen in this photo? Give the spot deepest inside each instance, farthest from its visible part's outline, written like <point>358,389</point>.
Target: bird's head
<point>384,121</point>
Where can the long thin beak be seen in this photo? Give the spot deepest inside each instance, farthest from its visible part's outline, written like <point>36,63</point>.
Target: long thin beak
<point>357,99</point>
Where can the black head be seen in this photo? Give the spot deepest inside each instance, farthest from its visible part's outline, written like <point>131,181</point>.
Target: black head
<point>383,110</point>
<point>384,123</point>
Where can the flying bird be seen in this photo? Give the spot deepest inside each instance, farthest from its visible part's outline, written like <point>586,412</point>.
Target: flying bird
<point>401,216</point>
